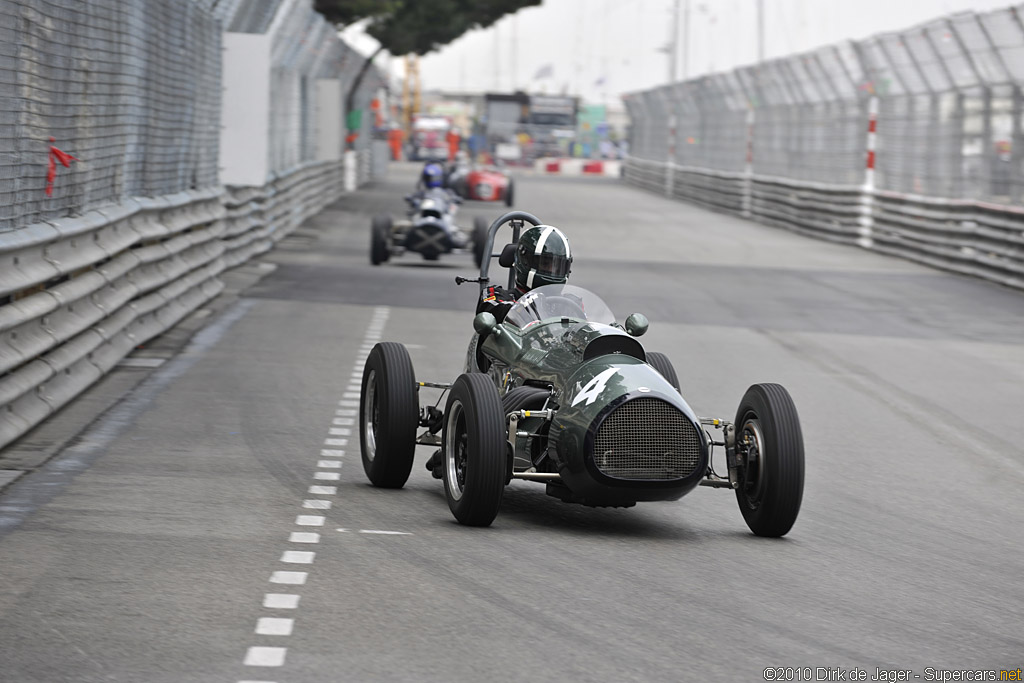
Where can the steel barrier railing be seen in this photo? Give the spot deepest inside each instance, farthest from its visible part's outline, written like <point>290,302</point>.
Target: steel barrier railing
<point>83,292</point>
<point>971,237</point>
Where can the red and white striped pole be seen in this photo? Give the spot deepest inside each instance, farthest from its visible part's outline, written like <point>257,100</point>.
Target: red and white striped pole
<point>748,169</point>
<point>670,165</point>
<point>867,197</point>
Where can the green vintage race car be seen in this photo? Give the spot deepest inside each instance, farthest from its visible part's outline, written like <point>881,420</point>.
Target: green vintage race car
<point>561,394</point>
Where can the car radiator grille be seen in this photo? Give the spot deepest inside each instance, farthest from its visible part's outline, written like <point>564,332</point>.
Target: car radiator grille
<point>647,438</point>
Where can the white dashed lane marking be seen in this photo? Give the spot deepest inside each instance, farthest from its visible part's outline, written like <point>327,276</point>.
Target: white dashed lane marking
<point>274,626</point>
<point>281,601</point>
<point>290,578</point>
<point>342,424</point>
<point>298,556</point>
<point>265,656</point>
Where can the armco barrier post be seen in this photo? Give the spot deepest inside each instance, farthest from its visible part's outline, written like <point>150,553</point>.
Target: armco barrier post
<point>748,168</point>
<point>350,172</point>
<point>867,197</point>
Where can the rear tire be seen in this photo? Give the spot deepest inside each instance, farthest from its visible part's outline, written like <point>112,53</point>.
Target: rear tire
<point>480,227</point>
<point>380,234</point>
<point>663,365</point>
<point>510,193</point>
<point>771,480</point>
<point>474,450</point>
<point>388,415</point>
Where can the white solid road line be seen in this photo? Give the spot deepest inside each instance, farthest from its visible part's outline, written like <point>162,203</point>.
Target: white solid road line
<point>377,531</point>
<point>265,656</point>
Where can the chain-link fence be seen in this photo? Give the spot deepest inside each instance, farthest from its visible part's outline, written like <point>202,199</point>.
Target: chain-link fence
<point>949,122</point>
<point>140,226</point>
<point>128,88</point>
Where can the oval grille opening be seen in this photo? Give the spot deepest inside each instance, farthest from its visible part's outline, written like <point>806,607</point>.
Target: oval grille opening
<point>647,438</point>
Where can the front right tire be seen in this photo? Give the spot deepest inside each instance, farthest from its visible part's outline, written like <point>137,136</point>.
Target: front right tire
<point>663,365</point>
<point>474,450</point>
<point>771,478</point>
<point>388,415</point>
<point>380,233</point>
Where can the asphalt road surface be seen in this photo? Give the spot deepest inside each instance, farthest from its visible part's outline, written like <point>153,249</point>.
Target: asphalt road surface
<point>216,524</point>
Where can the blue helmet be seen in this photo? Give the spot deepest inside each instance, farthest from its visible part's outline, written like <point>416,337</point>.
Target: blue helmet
<point>433,175</point>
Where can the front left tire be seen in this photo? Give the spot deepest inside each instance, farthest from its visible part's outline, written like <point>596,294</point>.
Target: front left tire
<point>474,450</point>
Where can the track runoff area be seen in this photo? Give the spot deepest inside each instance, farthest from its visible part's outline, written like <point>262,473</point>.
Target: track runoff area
<point>218,525</point>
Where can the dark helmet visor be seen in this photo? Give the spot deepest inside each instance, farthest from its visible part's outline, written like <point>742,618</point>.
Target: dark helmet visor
<point>554,265</point>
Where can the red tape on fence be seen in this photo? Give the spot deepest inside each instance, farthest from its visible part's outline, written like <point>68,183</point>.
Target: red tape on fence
<point>51,171</point>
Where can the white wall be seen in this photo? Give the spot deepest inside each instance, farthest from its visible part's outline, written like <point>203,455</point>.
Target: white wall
<point>330,127</point>
<point>245,114</point>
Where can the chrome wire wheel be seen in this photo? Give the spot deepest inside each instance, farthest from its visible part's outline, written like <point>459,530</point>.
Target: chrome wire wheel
<point>456,450</point>
<point>372,423</point>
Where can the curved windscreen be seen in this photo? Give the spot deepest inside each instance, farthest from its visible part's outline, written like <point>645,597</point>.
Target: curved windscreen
<point>556,302</point>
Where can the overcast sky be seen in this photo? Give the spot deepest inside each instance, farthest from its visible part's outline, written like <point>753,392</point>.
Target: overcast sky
<point>585,41</point>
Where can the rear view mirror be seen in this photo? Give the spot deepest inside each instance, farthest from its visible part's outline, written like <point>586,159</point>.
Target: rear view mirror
<point>637,324</point>
<point>484,323</point>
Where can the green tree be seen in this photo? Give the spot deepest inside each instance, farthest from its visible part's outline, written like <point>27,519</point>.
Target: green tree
<point>414,26</point>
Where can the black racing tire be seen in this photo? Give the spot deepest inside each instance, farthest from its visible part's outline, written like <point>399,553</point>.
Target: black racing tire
<point>388,415</point>
<point>474,450</point>
<point>510,191</point>
<point>771,480</point>
<point>380,233</point>
<point>663,365</point>
<point>480,228</point>
<point>524,398</point>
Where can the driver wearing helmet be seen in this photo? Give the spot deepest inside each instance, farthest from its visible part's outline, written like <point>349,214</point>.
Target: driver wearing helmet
<point>431,176</point>
<point>543,257</point>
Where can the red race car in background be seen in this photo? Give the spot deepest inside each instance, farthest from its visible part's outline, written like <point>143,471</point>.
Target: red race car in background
<point>485,184</point>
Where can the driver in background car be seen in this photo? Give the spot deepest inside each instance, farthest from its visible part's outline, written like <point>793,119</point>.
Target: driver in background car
<point>543,257</point>
<point>431,177</point>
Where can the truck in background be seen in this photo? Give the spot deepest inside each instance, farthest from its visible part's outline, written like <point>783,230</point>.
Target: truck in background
<point>520,127</point>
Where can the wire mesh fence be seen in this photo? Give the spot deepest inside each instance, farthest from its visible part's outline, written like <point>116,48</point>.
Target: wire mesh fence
<point>130,89</point>
<point>949,121</point>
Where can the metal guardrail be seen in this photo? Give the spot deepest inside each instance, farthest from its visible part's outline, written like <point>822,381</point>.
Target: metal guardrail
<point>970,237</point>
<point>81,293</point>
